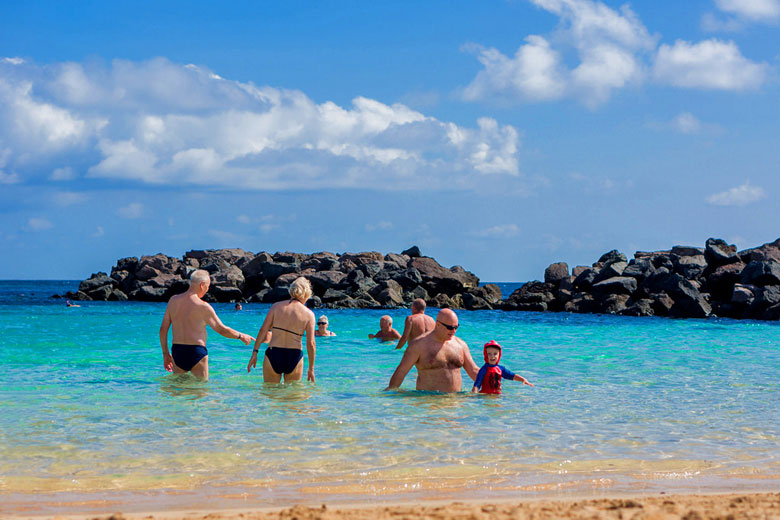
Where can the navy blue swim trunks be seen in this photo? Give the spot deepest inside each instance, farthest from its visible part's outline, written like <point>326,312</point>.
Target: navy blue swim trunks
<point>284,360</point>
<point>187,356</point>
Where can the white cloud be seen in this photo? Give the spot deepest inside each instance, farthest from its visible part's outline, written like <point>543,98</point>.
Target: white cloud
<point>500,231</point>
<point>131,211</point>
<point>686,123</point>
<point>608,43</point>
<point>12,61</point>
<point>752,10</point>
<point>99,232</point>
<point>162,123</point>
<point>9,178</point>
<point>380,226</point>
<point>69,198</point>
<point>243,219</point>
<point>62,174</point>
<point>739,196</point>
<point>534,74</point>
<point>38,224</point>
<point>710,64</point>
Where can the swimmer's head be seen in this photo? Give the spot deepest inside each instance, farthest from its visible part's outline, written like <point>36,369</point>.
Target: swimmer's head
<point>322,321</point>
<point>385,322</point>
<point>200,276</point>
<point>300,289</point>
<point>418,305</point>
<point>492,351</point>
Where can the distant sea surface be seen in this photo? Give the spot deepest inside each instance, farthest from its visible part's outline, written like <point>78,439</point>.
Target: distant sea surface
<point>620,404</point>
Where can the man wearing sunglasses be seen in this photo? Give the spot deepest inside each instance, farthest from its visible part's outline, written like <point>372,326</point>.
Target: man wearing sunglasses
<point>438,356</point>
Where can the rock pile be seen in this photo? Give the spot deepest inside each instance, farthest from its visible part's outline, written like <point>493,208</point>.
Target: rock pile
<point>349,280</point>
<point>689,282</point>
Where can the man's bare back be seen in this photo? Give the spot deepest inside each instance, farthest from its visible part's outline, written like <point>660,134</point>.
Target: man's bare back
<point>417,324</point>
<point>438,356</point>
<point>188,314</point>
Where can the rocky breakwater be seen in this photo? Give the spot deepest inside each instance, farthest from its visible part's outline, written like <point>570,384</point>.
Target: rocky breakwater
<point>349,280</point>
<point>686,282</point>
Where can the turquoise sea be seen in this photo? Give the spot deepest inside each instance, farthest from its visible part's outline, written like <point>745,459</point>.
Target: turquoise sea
<point>89,417</point>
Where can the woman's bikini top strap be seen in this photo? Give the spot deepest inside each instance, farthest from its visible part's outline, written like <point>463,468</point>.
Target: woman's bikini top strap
<point>285,330</point>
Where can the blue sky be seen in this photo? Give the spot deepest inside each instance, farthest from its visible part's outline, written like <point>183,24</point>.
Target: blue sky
<point>498,135</point>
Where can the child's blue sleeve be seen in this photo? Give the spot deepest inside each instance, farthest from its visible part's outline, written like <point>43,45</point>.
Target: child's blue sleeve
<point>480,377</point>
<point>506,373</point>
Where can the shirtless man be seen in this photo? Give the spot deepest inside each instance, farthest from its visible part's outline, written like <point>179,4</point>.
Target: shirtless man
<point>189,316</point>
<point>415,325</point>
<point>438,356</point>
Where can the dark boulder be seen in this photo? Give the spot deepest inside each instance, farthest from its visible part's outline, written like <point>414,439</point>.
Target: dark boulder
<point>639,268</point>
<point>324,280</point>
<point>148,293</point>
<point>611,256</point>
<point>96,281</point>
<point>581,303</point>
<point>718,252</point>
<point>614,303</point>
<point>688,301</point>
<point>408,278</point>
<point>687,251</point>
<point>689,267</point>
<point>584,281</point>
<point>641,307</point>
<point>412,252</point>
<point>473,302</point>
<point>390,297</point>
<point>761,273</point>
<point>437,279</point>
<point>616,285</point>
<point>226,293</point>
<point>401,261</point>
<point>610,270</point>
<point>556,272</point>
<point>721,281</point>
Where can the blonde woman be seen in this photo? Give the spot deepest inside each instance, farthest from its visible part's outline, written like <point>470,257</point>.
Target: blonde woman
<point>288,321</point>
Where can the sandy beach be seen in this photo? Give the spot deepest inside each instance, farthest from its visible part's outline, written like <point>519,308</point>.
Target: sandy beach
<point>763,506</point>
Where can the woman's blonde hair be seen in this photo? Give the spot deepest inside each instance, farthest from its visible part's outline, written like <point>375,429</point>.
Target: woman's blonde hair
<point>300,289</point>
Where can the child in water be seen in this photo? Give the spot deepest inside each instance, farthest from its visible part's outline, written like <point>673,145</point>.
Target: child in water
<point>489,376</point>
<point>386,330</point>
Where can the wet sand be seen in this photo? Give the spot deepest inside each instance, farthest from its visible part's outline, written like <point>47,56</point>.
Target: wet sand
<point>765,506</point>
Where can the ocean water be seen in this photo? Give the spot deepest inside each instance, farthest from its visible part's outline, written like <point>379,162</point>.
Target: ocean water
<point>620,404</point>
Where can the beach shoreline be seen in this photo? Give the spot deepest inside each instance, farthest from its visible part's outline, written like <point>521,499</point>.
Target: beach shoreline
<point>675,505</point>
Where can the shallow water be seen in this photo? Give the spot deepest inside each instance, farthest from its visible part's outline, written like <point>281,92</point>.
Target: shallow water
<point>619,403</point>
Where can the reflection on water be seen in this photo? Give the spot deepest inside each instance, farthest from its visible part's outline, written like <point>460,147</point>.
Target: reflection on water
<point>184,385</point>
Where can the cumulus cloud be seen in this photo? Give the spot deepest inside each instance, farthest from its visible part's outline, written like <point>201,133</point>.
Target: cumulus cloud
<point>131,211</point>
<point>614,51</point>
<point>751,10</point>
<point>710,64</point>
<point>158,122</point>
<point>739,196</point>
<point>38,224</point>
<point>608,43</point>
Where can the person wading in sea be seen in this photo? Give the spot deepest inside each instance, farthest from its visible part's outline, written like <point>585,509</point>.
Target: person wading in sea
<point>189,315</point>
<point>438,357</point>
<point>417,324</point>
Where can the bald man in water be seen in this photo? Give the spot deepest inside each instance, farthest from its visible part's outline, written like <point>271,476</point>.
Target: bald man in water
<point>438,357</point>
<point>415,325</point>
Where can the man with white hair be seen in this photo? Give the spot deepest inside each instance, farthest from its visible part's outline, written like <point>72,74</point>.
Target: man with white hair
<point>189,315</point>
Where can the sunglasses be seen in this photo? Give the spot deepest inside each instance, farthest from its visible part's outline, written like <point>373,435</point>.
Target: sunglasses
<point>322,323</point>
<point>448,327</point>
